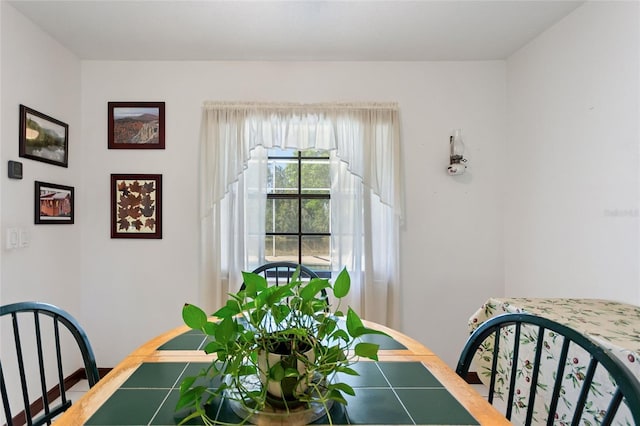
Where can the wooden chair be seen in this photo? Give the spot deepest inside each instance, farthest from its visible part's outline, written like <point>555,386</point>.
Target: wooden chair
<point>31,329</point>
<point>278,273</point>
<point>534,363</point>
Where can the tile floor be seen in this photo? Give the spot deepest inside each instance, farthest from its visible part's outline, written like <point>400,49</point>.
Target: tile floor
<point>76,391</point>
<point>481,389</point>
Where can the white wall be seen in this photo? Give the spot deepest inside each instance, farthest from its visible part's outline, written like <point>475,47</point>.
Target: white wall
<point>571,227</point>
<point>451,245</point>
<point>38,72</point>
<point>41,74</point>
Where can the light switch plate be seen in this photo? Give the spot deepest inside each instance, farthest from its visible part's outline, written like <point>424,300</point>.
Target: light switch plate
<point>12,238</point>
<point>24,238</point>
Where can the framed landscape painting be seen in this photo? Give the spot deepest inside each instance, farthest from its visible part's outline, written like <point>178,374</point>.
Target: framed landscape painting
<point>53,204</point>
<point>43,138</point>
<point>136,125</point>
<point>136,206</point>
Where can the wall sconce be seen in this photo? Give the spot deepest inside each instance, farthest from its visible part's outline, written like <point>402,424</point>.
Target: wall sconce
<point>457,162</point>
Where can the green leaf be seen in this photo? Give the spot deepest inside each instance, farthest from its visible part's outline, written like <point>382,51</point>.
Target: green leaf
<point>210,328</point>
<point>225,330</point>
<point>254,283</point>
<point>296,274</point>
<point>233,306</point>
<point>337,396</point>
<point>356,328</point>
<point>224,312</point>
<point>291,372</point>
<point>190,397</point>
<point>233,366</point>
<point>340,334</point>
<point>276,372</point>
<point>187,382</point>
<point>366,330</point>
<point>347,370</point>
<point>280,312</point>
<point>330,324</point>
<point>246,370</point>
<point>343,387</point>
<point>276,294</point>
<point>342,284</point>
<point>212,347</point>
<point>248,336</point>
<point>334,354</point>
<point>313,287</point>
<point>319,305</point>
<point>367,350</point>
<point>354,324</point>
<point>193,316</point>
<point>308,291</point>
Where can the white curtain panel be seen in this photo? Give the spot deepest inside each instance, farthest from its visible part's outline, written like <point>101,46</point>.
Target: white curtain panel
<point>366,193</point>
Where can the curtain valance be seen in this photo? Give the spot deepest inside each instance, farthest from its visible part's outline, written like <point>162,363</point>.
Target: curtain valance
<point>365,136</point>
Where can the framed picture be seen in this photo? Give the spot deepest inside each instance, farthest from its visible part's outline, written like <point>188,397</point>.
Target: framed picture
<point>136,206</point>
<point>53,204</point>
<point>43,138</point>
<point>136,125</point>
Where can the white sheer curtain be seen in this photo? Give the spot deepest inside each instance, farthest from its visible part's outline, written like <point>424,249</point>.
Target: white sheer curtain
<point>366,193</point>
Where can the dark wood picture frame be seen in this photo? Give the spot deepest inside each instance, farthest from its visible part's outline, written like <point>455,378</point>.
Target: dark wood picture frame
<point>136,206</point>
<point>53,204</point>
<point>43,138</point>
<point>136,125</point>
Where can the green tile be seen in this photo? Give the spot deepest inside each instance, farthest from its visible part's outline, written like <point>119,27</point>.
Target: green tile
<point>408,374</point>
<point>434,406</point>
<point>187,341</point>
<point>376,406</point>
<point>155,375</point>
<point>193,369</point>
<point>129,407</point>
<point>370,376</point>
<point>167,414</point>
<point>385,342</point>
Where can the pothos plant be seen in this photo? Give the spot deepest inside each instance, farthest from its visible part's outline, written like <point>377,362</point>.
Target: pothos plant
<point>287,336</point>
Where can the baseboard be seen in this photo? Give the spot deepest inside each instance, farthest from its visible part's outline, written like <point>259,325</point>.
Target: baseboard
<point>54,393</point>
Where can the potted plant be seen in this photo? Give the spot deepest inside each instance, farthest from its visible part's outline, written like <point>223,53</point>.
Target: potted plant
<point>278,349</point>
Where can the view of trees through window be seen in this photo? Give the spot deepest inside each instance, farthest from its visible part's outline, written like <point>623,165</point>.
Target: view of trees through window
<point>298,208</point>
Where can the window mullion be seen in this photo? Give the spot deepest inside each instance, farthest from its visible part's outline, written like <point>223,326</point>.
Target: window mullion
<point>300,207</point>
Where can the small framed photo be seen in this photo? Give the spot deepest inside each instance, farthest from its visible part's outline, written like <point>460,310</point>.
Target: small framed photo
<point>43,138</point>
<point>136,125</point>
<point>53,204</point>
<point>136,206</point>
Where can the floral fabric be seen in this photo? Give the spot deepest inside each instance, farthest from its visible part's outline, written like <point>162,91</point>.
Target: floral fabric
<point>616,326</point>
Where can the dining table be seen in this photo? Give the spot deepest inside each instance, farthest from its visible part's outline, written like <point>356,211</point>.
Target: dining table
<point>408,384</point>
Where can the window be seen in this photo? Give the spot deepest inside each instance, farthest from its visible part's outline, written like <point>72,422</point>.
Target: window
<point>280,209</point>
<point>297,214</point>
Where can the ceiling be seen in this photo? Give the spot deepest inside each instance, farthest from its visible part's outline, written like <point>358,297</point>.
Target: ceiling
<point>326,30</point>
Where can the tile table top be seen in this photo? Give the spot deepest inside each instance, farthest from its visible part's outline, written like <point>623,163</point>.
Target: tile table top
<point>408,385</point>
